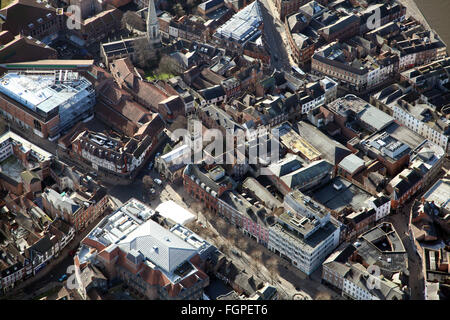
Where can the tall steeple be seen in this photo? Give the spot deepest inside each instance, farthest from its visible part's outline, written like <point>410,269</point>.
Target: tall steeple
<point>153,35</point>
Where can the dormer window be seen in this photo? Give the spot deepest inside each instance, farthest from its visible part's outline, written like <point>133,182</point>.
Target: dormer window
<point>31,26</point>
<point>40,20</point>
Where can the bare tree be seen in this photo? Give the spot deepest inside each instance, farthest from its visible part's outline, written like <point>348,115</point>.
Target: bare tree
<point>257,256</point>
<point>168,65</point>
<point>144,55</point>
<point>179,122</point>
<point>147,181</point>
<point>132,21</point>
<point>178,10</point>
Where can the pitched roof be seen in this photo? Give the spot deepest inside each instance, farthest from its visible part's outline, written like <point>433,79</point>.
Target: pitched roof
<point>159,245</point>
<point>23,12</point>
<point>23,49</point>
<point>351,163</point>
<point>304,175</point>
<point>174,105</point>
<point>212,92</point>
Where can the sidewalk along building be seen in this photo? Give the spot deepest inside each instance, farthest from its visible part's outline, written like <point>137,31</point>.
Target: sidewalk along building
<point>305,234</point>
<point>155,262</point>
<point>46,102</point>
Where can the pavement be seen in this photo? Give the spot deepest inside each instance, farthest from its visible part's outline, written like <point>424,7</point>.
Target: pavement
<point>413,11</point>
<point>275,37</point>
<point>400,220</point>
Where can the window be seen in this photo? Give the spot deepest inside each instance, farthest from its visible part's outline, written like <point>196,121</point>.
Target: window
<point>37,125</point>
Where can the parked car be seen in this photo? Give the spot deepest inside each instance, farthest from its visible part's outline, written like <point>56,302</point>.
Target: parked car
<point>63,277</point>
<point>158,182</point>
<point>150,166</point>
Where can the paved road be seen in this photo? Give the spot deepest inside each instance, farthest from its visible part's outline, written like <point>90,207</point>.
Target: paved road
<point>400,220</point>
<point>275,37</point>
<point>416,281</point>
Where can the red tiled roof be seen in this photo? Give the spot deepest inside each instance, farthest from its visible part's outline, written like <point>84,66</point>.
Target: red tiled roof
<point>150,93</point>
<point>152,128</point>
<point>174,104</point>
<point>123,72</point>
<point>131,110</point>
<point>115,119</point>
<point>168,88</point>
<point>6,37</point>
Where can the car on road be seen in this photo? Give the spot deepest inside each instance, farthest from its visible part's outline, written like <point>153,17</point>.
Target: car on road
<point>235,252</point>
<point>150,166</point>
<point>158,182</point>
<point>63,277</point>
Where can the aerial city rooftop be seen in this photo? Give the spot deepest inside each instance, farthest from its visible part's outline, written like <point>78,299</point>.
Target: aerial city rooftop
<point>223,150</point>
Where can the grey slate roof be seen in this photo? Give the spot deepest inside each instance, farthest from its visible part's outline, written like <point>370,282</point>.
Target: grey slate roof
<point>161,247</point>
<point>304,175</point>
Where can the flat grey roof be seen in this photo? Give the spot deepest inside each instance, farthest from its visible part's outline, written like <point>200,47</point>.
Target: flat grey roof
<point>330,149</point>
<point>405,135</point>
<point>348,194</point>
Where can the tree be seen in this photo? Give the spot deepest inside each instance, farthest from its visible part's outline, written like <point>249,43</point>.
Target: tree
<point>167,148</point>
<point>147,181</point>
<point>131,20</point>
<point>178,10</point>
<point>144,55</point>
<point>167,65</point>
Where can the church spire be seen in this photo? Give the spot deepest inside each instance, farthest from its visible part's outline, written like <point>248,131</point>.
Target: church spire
<point>153,35</point>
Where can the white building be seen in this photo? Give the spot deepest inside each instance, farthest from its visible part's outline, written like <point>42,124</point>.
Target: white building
<point>176,213</point>
<point>356,292</point>
<point>382,206</point>
<point>420,127</point>
<point>305,235</point>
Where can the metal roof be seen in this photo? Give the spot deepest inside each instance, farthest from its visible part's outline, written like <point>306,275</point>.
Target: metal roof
<point>159,245</point>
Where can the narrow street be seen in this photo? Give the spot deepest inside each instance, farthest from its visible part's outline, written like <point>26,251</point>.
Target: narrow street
<point>400,221</point>
<point>275,35</point>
